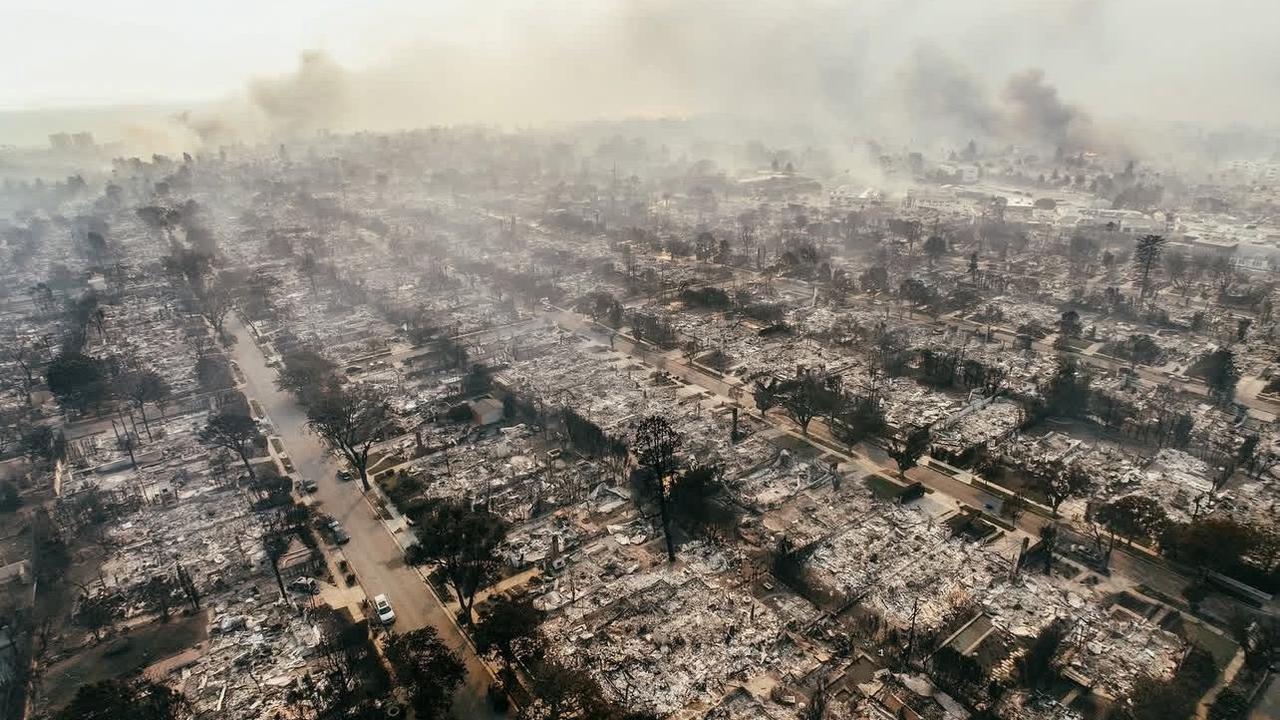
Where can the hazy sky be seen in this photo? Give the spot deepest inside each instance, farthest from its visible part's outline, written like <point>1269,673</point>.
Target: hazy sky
<point>396,63</point>
<point>89,52</point>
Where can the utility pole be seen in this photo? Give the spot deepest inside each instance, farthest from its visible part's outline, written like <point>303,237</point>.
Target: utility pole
<point>911,634</point>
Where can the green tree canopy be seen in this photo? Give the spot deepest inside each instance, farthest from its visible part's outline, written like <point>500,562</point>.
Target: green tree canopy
<point>430,670</point>
<point>508,628</point>
<point>132,698</point>
<point>461,540</point>
<point>350,421</point>
<point>78,381</point>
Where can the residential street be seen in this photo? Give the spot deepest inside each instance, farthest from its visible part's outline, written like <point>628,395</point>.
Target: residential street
<point>718,395</point>
<point>372,553</point>
<point>1128,564</point>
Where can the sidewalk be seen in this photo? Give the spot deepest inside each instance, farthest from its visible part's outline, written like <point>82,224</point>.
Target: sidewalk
<point>1228,674</point>
<point>401,534</point>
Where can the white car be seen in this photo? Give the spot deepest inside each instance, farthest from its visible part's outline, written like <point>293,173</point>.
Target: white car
<point>382,606</point>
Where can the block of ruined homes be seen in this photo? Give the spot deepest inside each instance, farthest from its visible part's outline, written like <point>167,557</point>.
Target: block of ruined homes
<point>485,410</point>
<point>299,560</point>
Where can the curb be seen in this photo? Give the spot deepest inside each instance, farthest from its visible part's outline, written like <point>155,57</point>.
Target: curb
<point>444,607</point>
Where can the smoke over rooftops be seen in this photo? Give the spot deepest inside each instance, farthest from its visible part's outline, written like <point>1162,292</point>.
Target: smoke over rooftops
<point>316,95</point>
<point>1039,115</point>
<point>929,73</point>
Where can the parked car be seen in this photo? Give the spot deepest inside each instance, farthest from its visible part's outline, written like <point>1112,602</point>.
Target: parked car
<point>340,535</point>
<point>343,475</point>
<point>308,485</point>
<point>382,606</point>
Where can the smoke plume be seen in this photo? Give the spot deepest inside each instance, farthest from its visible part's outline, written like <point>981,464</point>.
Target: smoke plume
<point>928,74</point>
<point>314,96</point>
<point>1038,115</point>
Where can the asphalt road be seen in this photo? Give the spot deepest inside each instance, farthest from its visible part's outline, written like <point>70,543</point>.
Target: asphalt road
<point>372,553</point>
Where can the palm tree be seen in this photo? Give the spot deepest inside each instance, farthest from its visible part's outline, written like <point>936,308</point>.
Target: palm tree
<point>1145,257</point>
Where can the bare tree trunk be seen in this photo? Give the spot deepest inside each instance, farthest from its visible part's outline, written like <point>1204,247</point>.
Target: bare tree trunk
<point>464,603</point>
<point>275,568</point>
<point>142,410</point>
<point>665,513</point>
<point>244,458</point>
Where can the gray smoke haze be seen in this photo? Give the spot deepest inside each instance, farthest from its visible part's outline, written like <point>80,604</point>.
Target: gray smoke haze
<point>314,96</point>
<point>943,101</point>
<point>211,129</point>
<point>1040,116</point>
<point>1087,74</point>
<point>939,100</point>
<point>317,95</point>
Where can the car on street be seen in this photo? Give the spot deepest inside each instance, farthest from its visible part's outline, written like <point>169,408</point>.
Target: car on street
<point>382,606</point>
<point>340,535</point>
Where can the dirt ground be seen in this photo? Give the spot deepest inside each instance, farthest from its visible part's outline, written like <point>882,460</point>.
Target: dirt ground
<point>121,655</point>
